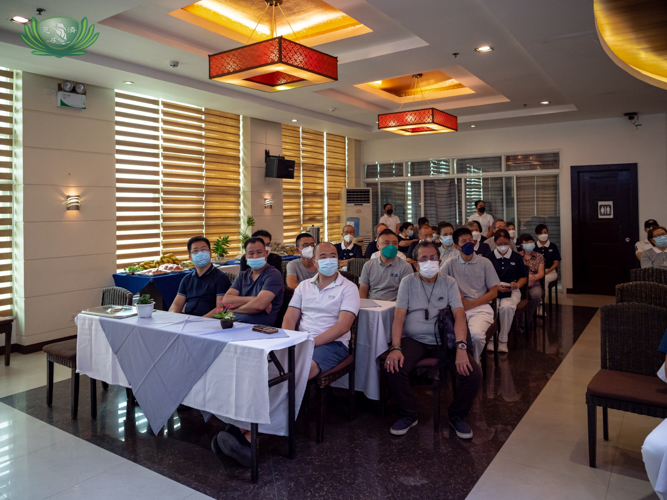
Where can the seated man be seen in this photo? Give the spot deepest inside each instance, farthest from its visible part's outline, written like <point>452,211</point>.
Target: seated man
<point>420,297</point>
<point>327,306</point>
<point>372,246</point>
<point>273,259</point>
<point>425,234</point>
<point>447,248</point>
<point>257,293</point>
<point>380,277</point>
<point>478,283</point>
<point>201,291</point>
<point>348,249</point>
<point>489,244</point>
<point>304,268</point>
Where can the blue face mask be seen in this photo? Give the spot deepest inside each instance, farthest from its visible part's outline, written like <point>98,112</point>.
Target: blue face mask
<point>410,233</point>
<point>447,240</point>
<point>327,266</point>
<point>201,259</point>
<point>661,241</point>
<point>528,247</point>
<point>468,248</point>
<point>257,263</point>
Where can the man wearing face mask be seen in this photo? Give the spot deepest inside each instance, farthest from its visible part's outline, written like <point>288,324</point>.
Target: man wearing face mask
<point>372,246</point>
<point>549,251</point>
<point>420,297</point>
<point>478,283</point>
<point>327,306</point>
<point>380,277</point>
<point>389,219</point>
<point>201,292</point>
<point>425,234</point>
<point>485,220</point>
<point>447,248</point>
<point>303,268</point>
<point>348,249</point>
<point>256,293</point>
<point>273,259</point>
<point>489,245</point>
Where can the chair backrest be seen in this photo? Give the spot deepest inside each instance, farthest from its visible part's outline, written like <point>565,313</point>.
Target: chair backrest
<point>352,277</point>
<point>643,292</point>
<point>287,298</point>
<point>116,296</point>
<point>231,276</point>
<point>649,274</point>
<point>285,262</point>
<point>352,347</point>
<point>631,334</point>
<point>355,266</point>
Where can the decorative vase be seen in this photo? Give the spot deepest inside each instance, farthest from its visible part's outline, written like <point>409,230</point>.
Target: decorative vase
<point>225,324</point>
<point>145,310</point>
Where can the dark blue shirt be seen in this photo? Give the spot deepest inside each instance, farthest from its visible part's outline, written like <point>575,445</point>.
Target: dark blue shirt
<point>273,259</point>
<point>404,249</point>
<point>270,280</point>
<point>201,292</point>
<point>508,269</point>
<point>663,344</point>
<point>371,249</point>
<point>550,254</point>
<point>347,254</point>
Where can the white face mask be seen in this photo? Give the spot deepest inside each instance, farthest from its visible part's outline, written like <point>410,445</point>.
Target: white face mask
<point>348,238</point>
<point>476,235</point>
<point>543,237</point>
<point>268,248</point>
<point>512,233</point>
<point>307,253</point>
<point>503,249</point>
<point>429,268</point>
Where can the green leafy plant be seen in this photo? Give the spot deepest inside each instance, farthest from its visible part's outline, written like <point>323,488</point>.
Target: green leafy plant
<point>221,246</point>
<point>224,313</point>
<point>144,299</point>
<point>245,233</point>
<point>133,269</point>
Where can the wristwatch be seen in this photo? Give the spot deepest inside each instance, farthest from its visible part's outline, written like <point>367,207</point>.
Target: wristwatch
<point>460,344</point>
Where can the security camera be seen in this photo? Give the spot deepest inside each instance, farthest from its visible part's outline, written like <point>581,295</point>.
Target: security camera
<point>174,64</point>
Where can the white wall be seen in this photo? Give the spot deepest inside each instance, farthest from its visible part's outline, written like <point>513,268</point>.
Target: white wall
<point>591,142</point>
<point>64,258</point>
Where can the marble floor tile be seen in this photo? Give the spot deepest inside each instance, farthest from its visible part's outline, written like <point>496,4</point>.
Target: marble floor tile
<point>27,371</point>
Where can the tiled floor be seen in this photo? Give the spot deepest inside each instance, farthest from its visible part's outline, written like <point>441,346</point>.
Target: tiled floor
<point>519,451</point>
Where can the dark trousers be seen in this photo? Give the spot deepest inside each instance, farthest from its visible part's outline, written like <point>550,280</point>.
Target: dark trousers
<point>413,352</point>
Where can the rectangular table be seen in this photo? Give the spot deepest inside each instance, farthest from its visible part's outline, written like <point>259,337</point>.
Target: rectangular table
<point>373,335</point>
<point>241,386</point>
<point>162,288</point>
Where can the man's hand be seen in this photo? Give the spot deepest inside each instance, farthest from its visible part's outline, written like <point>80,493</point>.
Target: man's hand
<point>463,366</point>
<point>268,308</point>
<point>514,285</point>
<point>505,289</point>
<point>394,361</point>
<point>467,304</point>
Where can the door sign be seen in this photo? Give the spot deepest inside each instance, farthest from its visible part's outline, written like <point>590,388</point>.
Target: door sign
<point>605,209</point>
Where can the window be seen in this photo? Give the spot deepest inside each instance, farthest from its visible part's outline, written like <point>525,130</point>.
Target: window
<point>538,161</point>
<point>378,170</point>
<point>431,167</point>
<point>177,175</point>
<point>9,81</point>
<point>292,187</point>
<point>497,193</point>
<point>312,179</point>
<point>405,198</point>
<point>442,201</point>
<point>478,165</point>
<point>336,180</point>
<point>538,202</point>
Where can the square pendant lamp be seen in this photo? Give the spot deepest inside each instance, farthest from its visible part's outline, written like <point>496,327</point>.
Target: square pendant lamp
<point>418,122</point>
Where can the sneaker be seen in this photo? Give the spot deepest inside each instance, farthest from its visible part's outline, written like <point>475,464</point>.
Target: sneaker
<point>502,346</point>
<point>489,346</point>
<point>403,425</point>
<point>462,429</point>
<point>232,446</point>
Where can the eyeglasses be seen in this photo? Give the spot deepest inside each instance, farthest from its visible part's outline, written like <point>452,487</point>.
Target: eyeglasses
<point>308,245</point>
<point>197,250</point>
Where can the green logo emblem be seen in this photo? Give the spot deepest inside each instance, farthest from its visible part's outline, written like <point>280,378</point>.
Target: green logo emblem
<point>59,36</point>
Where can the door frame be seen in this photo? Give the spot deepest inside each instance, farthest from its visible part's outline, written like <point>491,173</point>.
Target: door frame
<point>577,262</point>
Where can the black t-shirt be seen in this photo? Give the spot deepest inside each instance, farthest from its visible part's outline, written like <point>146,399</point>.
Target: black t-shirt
<point>351,253</point>
<point>201,292</point>
<point>404,249</point>
<point>371,249</point>
<point>508,269</point>
<point>273,259</point>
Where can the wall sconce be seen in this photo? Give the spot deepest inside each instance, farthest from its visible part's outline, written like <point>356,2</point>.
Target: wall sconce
<point>268,203</point>
<point>73,202</point>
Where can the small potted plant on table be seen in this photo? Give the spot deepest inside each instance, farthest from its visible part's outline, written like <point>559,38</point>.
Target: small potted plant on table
<point>225,315</point>
<point>145,306</point>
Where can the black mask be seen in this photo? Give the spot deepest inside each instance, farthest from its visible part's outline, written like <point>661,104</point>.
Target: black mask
<point>390,211</point>
<point>481,210</point>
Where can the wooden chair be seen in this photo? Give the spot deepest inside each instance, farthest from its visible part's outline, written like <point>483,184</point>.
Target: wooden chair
<point>285,262</point>
<point>552,285</point>
<point>354,266</point>
<point>627,381</point>
<point>492,332</point>
<point>322,382</point>
<point>521,310</point>
<point>352,277</point>
<point>649,274</point>
<point>116,296</point>
<point>643,292</point>
<point>287,298</point>
<point>6,328</point>
<point>231,276</point>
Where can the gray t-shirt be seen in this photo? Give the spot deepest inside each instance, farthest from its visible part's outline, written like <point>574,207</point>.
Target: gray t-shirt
<point>296,268</point>
<point>654,258</point>
<point>271,280</point>
<point>413,295</point>
<point>447,253</point>
<point>474,278</point>
<point>384,280</point>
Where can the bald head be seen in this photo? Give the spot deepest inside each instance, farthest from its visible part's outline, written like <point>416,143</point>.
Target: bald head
<point>325,250</point>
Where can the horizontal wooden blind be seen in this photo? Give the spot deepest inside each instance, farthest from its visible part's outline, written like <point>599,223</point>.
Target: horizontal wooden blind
<point>292,188</point>
<point>182,200</point>
<point>312,179</point>
<point>336,181</point>
<point>222,184</point>
<point>138,219</point>
<point>8,81</point>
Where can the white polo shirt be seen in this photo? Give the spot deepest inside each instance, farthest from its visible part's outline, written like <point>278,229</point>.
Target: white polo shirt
<point>390,221</point>
<point>643,246</point>
<point>320,308</point>
<point>485,220</point>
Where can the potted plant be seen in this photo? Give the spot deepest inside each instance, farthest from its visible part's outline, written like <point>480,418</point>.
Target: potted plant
<point>145,306</point>
<point>245,234</point>
<point>221,246</point>
<point>225,315</point>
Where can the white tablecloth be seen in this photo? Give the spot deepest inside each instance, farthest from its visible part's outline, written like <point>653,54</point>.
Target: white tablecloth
<point>234,388</point>
<point>373,335</point>
<point>654,452</point>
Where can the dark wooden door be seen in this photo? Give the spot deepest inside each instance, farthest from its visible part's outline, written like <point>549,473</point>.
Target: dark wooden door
<point>605,226</point>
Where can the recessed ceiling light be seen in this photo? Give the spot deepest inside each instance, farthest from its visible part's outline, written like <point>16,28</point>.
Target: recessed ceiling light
<point>545,102</point>
<point>294,120</point>
<point>485,48</point>
<point>20,20</point>
<point>473,126</point>
<point>128,83</point>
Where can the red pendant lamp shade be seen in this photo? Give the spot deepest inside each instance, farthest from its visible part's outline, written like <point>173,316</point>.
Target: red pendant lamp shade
<point>273,65</point>
<point>418,122</point>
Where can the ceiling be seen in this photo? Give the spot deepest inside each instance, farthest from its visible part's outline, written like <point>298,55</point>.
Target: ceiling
<point>543,50</point>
